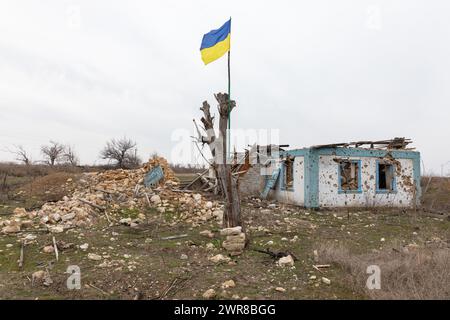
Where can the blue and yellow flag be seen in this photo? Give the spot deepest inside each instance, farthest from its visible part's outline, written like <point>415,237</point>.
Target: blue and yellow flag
<point>216,43</point>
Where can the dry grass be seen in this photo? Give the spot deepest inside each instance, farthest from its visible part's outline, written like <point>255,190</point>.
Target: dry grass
<point>436,193</point>
<point>414,273</point>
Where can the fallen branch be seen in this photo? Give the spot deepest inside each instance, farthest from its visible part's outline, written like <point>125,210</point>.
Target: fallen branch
<point>92,204</point>
<point>322,266</point>
<point>56,249</point>
<point>97,288</point>
<point>148,200</point>
<point>105,191</point>
<point>175,237</point>
<point>193,181</point>
<point>21,255</point>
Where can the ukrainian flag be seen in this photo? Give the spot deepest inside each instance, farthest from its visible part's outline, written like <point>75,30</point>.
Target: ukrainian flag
<point>216,43</point>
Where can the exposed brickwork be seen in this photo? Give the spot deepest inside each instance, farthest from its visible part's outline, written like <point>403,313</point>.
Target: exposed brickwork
<point>252,182</point>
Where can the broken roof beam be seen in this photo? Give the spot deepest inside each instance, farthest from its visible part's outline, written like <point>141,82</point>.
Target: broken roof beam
<point>396,143</point>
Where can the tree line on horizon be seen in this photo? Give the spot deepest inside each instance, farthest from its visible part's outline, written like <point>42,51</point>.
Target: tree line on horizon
<point>121,152</point>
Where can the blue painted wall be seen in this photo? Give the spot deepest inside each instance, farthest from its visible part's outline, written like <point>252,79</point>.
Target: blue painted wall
<point>311,174</point>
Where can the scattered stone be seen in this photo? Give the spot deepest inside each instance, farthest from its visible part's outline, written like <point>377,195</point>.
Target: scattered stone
<point>209,294</point>
<point>84,246</point>
<point>235,242</point>
<point>30,237</point>
<point>326,280</point>
<point>316,256</point>
<point>287,261</point>
<point>184,257</point>
<point>219,258</point>
<point>38,275</point>
<point>95,257</point>
<point>313,277</point>
<point>155,199</point>
<point>11,229</point>
<point>208,205</point>
<point>207,233</point>
<point>20,212</point>
<point>48,249</point>
<point>125,221</point>
<point>56,229</point>
<point>280,289</point>
<point>231,231</point>
<point>228,284</point>
<point>68,216</point>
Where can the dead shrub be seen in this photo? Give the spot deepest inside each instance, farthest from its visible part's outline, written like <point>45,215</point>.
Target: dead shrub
<point>406,273</point>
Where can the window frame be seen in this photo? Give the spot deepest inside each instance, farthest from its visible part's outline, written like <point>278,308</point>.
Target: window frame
<point>355,191</point>
<point>283,175</point>
<point>377,182</point>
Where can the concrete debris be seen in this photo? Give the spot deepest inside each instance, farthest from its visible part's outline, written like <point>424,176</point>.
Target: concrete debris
<point>228,284</point>
<point>11,229</point>
<point>38,275</point>
<point>48,249</point>
<point>235,240</point>
<point>287,261</point>
<point>219,258</point>
<point>155,199</point>
<point>103,195</point>
<point>95,257</point>
<point>207,233</point>
<point>231,231</point>
<point>209,294</point>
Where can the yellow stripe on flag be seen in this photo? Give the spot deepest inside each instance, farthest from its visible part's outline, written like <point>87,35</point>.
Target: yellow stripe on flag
<point>215,52</point>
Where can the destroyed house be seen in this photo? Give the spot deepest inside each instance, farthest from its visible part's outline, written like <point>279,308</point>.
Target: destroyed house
<point>384,173</point>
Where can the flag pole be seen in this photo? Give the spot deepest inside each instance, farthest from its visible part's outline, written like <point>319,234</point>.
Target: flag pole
<point>229,104</point>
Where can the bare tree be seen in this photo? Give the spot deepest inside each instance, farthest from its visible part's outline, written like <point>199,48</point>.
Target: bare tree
<point>70,156</point>
<point>21,154</point>
<point>218,146</point>
<point>53,152</point>
<point>123,151</point>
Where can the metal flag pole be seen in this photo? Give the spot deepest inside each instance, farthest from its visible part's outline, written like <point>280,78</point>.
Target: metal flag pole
<point>229,104</point>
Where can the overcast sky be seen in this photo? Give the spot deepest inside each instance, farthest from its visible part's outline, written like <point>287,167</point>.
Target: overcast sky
<point>82,72</point>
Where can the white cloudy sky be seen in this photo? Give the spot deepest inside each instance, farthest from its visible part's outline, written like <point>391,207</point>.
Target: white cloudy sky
<point>82,72</point>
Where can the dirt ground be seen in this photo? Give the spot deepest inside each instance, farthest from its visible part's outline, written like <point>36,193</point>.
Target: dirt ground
<point>137,263</point>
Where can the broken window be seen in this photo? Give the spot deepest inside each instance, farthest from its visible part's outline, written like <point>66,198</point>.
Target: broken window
<point>349,175</point>
<point>289,172</point>
<point>385,176</point>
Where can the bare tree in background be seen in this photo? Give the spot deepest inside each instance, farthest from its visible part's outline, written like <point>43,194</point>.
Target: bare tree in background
<point>21,154</point>
<point>123,151</point>
<point>52,152</point>
<point>218,146</point>
<point>70,156</point>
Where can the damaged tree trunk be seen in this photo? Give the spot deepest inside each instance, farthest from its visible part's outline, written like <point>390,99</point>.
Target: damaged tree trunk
<point>222,165</point>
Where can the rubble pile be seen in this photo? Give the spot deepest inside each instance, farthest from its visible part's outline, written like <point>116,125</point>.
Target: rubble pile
<point>235,240</point>
<point>169,175</point>
<point>103,194</point>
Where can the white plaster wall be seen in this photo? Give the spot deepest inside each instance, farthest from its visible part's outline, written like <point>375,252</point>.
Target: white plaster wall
<point>297,195</point>
<point>328,185</point>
